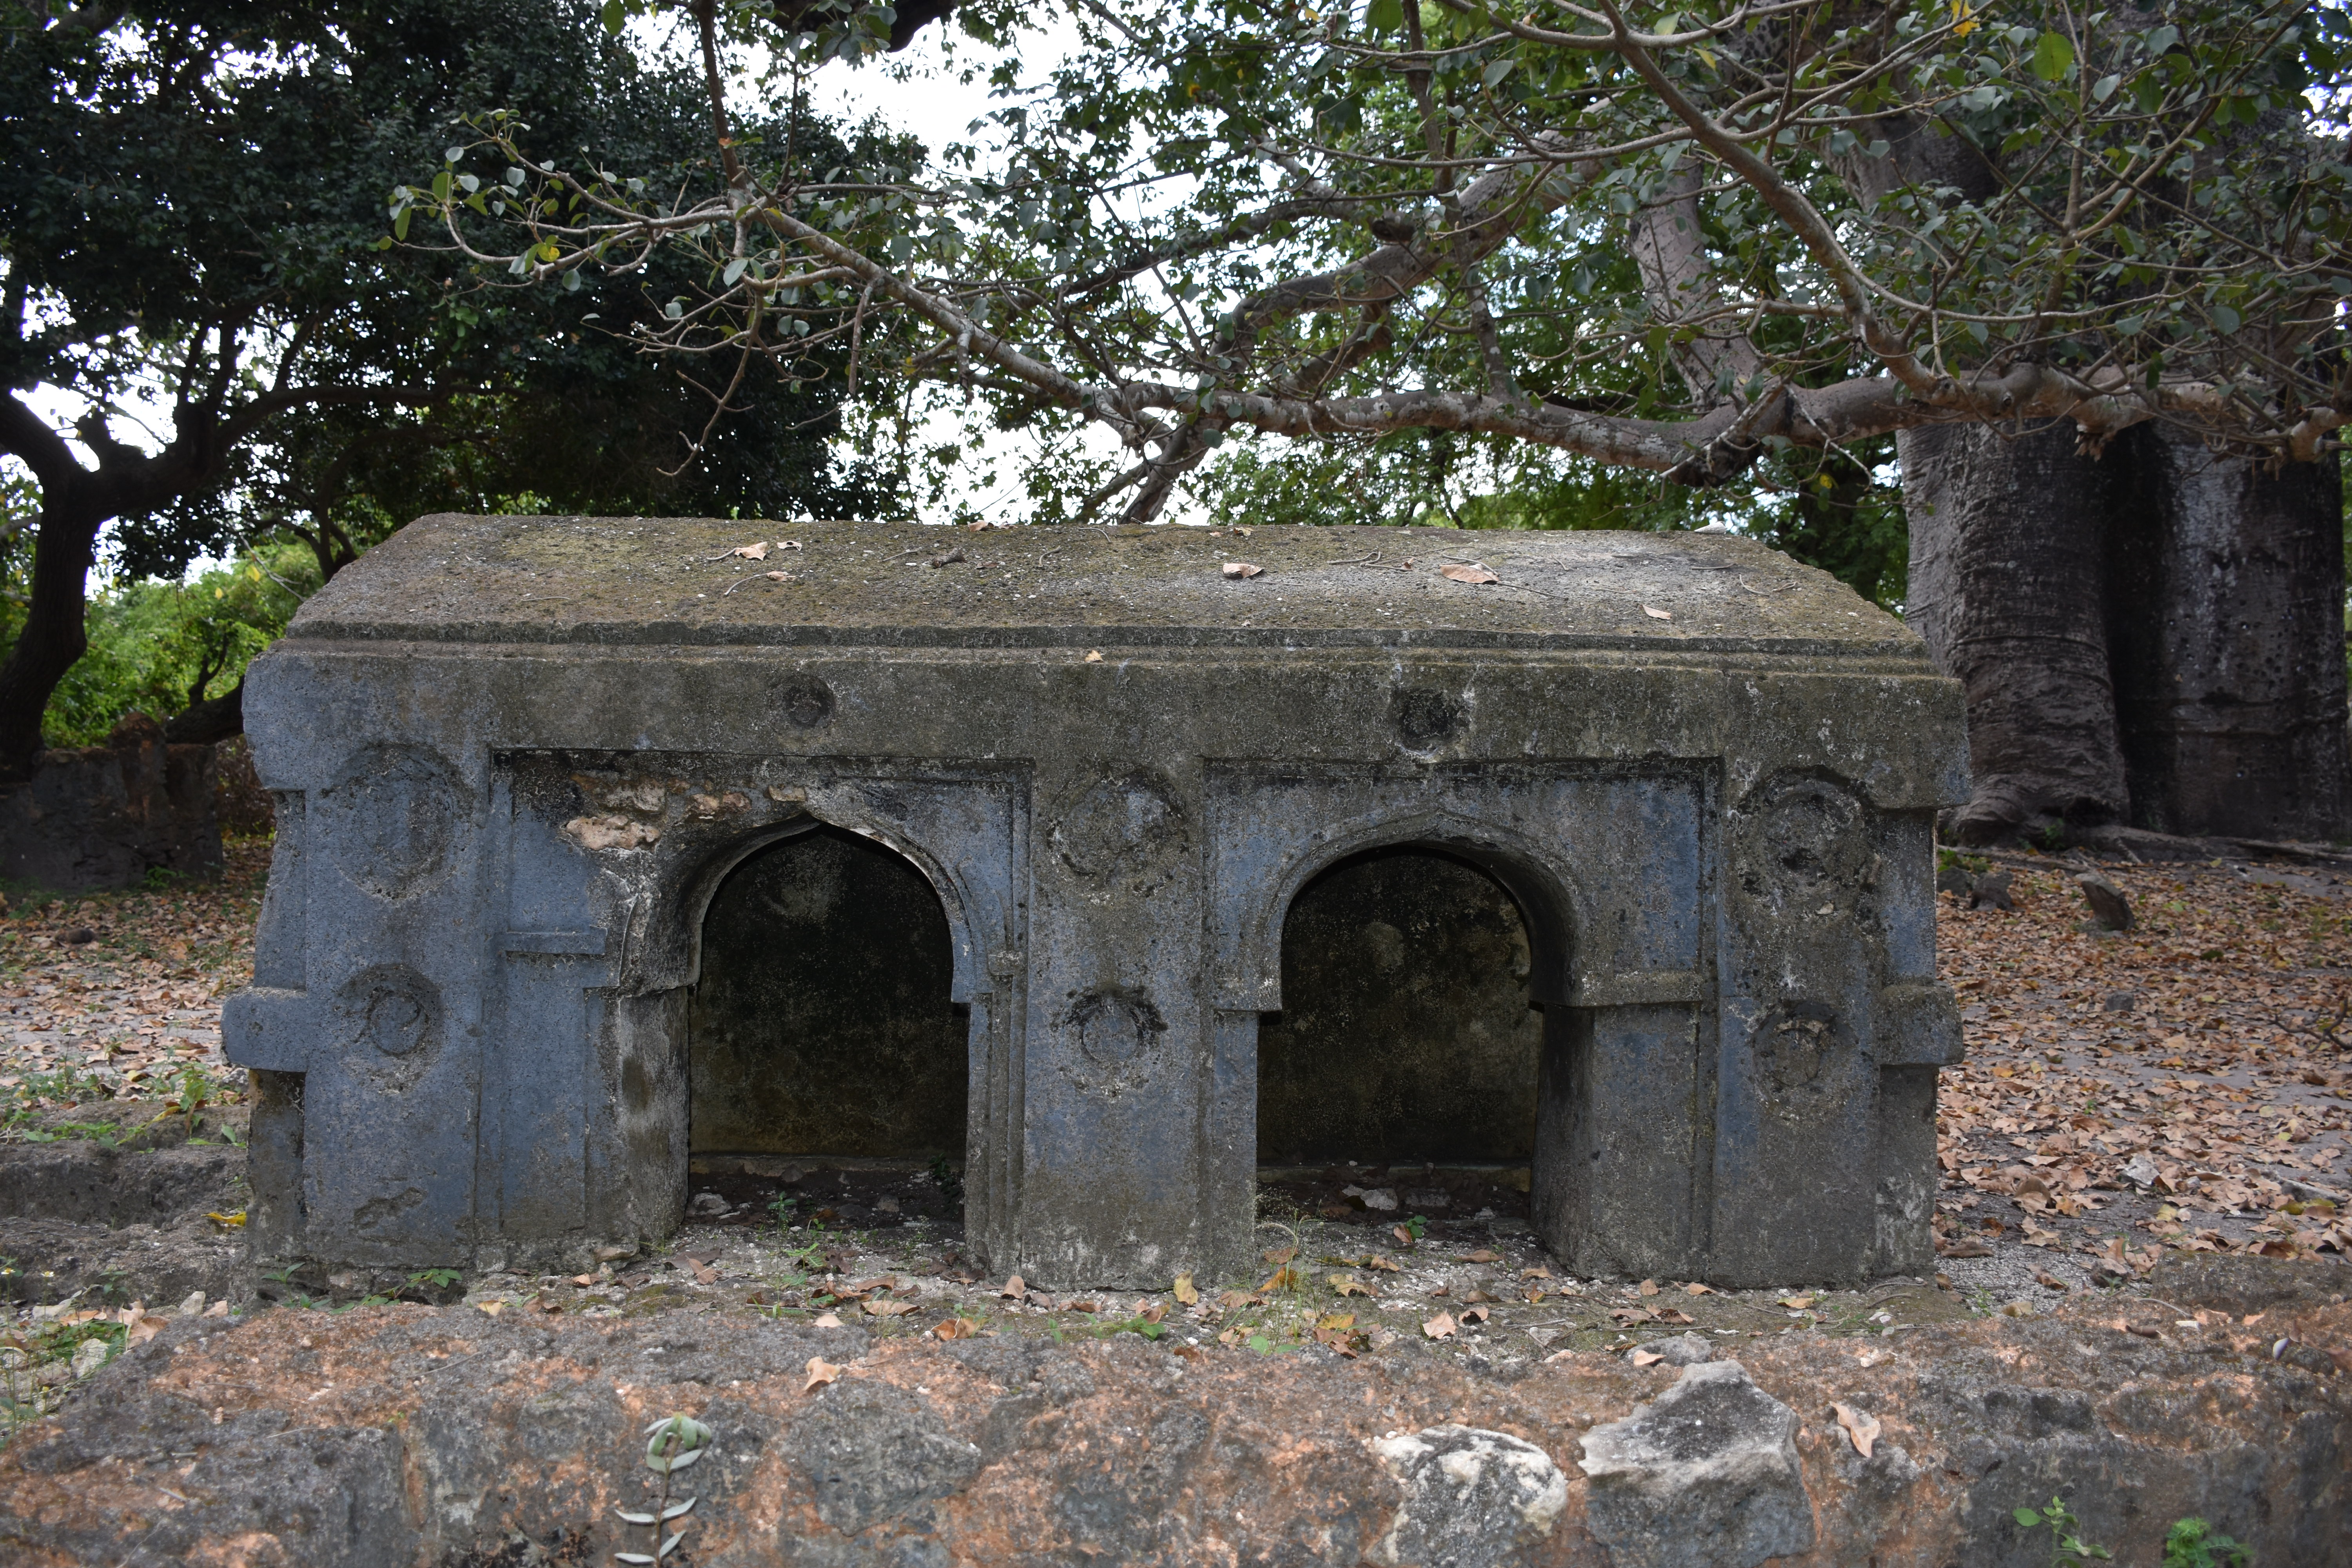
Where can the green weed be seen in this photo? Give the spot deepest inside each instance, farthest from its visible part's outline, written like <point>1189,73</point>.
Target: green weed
<point>2068,1549</point>
<point>2192,1543</point>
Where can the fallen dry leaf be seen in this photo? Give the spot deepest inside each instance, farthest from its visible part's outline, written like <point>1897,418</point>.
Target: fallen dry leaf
<point>1560,1356</point>
<point>820,1373</point>
<point>1696,1288</point>
<point>703,1273</point>
<point>884,1308</point>
<point>1014,1290</point>
<point>1475,1314</point>
<point>1484,1255</point>
<point>1242,569</point>
<point>1474,574</point>
<point>1656,613</point>
<point>1440,1327</point>
<point>1348,1285</point>
<point>825,1321</point>
<point>1185,1291</point>
<point>1648,1286</point>
<point>491,1308</point>
<point>1646,1358</point>
<point>1094,655</point>
<point>584,1281</point>
<point>748,552</point>
<point>1796,1303</point>
<point>1861,1427</point>
<point>146,1328</point>
<point>1404,1236</point>
<point>957,1329</point>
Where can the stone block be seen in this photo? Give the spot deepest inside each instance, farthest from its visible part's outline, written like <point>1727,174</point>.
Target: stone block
<point>599,847</point>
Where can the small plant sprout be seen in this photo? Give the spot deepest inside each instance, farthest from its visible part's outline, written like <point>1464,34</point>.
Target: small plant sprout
<point>2068,1549</point>
<point>671,1444</point>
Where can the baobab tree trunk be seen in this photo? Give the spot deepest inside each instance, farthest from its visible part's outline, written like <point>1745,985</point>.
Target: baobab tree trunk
<point>2225,615</point>
<point>2007,557</point>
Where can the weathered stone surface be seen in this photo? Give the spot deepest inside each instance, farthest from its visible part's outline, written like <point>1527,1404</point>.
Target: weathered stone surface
<point>1472,1498</point>
<point>872,1453</point>
<point>412,1435</point>
<point>91,1184</point>
<point>104,816</point>
<point>1991,891</point>
<point>1679,1349</point>
<point>2241,1283</point>
<point>516,759</point>
<point>1705,1477</point>
<point>130,1216</point>
<point>2108,905</point>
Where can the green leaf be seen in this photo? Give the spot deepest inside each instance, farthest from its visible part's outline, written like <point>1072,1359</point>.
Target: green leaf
<point>614,15</point>
<point>2027,1516</point>
<point>2104,87</point>
<point>400,223</point>
<point>1384,16</point>
<point>2053,57</point>
<point>1497,69</point>
<point>2227,319</point>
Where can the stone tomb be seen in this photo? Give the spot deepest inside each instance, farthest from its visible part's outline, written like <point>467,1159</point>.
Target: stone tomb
<point>1044,798</point>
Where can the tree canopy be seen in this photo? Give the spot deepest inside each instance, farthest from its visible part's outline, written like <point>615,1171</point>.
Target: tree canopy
<point>1671,241</point>
<point>191,216</point>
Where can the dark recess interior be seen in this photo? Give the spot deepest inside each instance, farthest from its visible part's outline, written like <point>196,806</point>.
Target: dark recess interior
<point>1406,1043</point>
<point>820,1022</point>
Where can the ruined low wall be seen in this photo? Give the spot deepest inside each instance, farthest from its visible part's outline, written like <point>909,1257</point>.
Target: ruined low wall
<point>415,1436</point>
<point>103,816</point>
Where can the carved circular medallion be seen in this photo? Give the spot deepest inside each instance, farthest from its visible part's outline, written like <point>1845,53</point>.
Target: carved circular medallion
<point>1803,837</point>
<point>1119,827</point>
<point>805,702</point>
<point>1805,1062</point>
<point>1427,717</point>
<point>1119,1037</point>
<point>389,1021</point>
<point>395,819</point>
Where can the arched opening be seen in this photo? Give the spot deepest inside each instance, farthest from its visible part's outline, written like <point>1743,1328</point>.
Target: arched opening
<point>1402,1068</point>
<point>825,1059</point>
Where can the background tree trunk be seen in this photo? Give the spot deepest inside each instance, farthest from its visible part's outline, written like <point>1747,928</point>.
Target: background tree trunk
<point>53,637</point>
<point>2225,615</point>
<point>2006,584</point>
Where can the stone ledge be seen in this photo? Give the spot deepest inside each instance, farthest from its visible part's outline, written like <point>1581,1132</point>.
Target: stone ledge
<point>414,1435</point>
